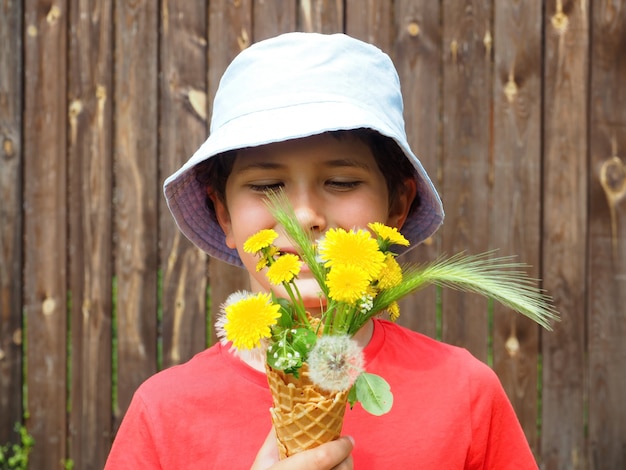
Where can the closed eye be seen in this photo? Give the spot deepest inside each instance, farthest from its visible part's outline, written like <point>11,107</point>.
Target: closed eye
<point>265,187</point>
<point>343,185</point>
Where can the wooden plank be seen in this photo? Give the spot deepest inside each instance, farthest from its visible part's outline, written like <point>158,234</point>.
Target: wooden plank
<point>564,238</point>
<point>607,238</point>
<point>11,166</point>
<point>516,179</point>
<point>321,16</point>
<point>273,18</point>
<point>136,192</point>
<point>416,52</point>
<point>371,21</point>
<point>417,57</point>
<point>183,129</point>
<point>45,222</point>
<point>466,187</point>
<point>230,27</point>
<point>90,164</point>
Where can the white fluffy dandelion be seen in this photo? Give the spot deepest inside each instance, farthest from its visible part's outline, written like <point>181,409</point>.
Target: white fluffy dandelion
<point>335,362</point>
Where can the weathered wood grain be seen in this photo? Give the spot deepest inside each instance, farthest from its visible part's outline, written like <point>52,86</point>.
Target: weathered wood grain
<point>11,167</point>
<point>273,18</point>
<point>607,237</point>
<point>230,31</point>
<point>370,21</point>
<point>466,164</point>
<point>515,212</point>
<point>183,128</point>
<point>89,133</point>
<point>416,51</point>
<point>136,193</point>
<point>90,184</point>
<point>321,16</point>
<point>564,237</point>
<point>45,227</point>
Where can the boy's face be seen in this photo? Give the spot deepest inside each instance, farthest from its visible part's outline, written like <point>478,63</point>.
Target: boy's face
<point>330,182</point>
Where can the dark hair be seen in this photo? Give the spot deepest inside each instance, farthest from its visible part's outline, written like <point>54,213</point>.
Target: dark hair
<point>393,164</point>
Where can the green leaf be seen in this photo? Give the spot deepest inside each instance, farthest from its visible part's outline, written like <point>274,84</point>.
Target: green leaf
<point>281,355</point>
<point>374,393</point>
<point>352,399</point>
<point>286,312</point>
<point>303,340</point>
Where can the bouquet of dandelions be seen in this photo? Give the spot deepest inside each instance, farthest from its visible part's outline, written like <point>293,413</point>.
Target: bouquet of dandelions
<point>313,366</point>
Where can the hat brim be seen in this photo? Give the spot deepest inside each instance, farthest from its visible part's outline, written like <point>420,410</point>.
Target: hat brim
<point>186,197</point>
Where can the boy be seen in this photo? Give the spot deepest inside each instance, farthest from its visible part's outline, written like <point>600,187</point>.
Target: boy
<point>319,117</point>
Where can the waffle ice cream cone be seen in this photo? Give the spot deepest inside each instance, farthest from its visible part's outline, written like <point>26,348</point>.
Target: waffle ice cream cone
<point>303,415</point>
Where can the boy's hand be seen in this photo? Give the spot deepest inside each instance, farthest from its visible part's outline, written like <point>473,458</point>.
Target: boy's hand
<point>332,455</point>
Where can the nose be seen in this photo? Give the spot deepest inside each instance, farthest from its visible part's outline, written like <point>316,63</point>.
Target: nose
<point>309,210</point>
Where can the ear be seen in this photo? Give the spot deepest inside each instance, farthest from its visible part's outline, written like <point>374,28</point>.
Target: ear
<point>223,217</point>
<point>399,208</point>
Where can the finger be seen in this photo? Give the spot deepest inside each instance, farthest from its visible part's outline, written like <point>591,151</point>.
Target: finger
<point>335,454</point>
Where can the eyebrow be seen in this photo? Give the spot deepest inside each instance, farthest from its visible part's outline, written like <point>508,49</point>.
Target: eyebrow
<point>336,163</point>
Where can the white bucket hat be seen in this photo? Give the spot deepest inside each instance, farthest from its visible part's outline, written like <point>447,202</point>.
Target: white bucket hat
<point>291,86</point>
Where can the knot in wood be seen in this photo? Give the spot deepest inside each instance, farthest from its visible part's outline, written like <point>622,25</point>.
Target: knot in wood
<point>559,22</point>
<point>17,337</point>
<point>76,107</point>
<point>510,90</point>
<point>613,177</point>
<point>8,148</point>
<point>48,306</point>
<point>512,346</point>
<point>488,41</point>
<point>53,14</point>
<point>413,28</point>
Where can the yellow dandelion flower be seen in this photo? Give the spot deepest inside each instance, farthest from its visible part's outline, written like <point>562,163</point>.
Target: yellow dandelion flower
<point>347,283</point>
<point>249,320</point>
<point>258,241</point>
<point>356,248</point>
<point>268,254</point>
<point>284,269</point>
<point>391,274</point>
<point>390,234</point>
<point>394,311</point>
<point>262,263</point>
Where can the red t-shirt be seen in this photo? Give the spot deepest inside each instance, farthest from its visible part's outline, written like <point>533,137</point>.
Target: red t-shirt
<point>449,412</point>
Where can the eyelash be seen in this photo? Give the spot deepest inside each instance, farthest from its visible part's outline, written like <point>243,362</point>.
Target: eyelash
<point>263,188</point>
<point>340,185</point>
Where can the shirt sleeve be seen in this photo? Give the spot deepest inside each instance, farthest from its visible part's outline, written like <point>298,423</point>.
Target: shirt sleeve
<point>498,441</point>
<point>134,445</point>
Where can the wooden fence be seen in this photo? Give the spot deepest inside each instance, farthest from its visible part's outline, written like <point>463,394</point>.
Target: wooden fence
<point>517,108</point>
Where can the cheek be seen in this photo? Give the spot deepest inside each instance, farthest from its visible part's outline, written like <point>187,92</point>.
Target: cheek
<point>361,211</point>
<point>248,218</point>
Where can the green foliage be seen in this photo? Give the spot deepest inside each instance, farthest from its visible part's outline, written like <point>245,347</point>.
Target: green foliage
<point>15,456</point>
<point>373,392</point>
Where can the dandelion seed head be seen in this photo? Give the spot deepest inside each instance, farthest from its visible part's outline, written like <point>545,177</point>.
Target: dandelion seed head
<point>335,362</point>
